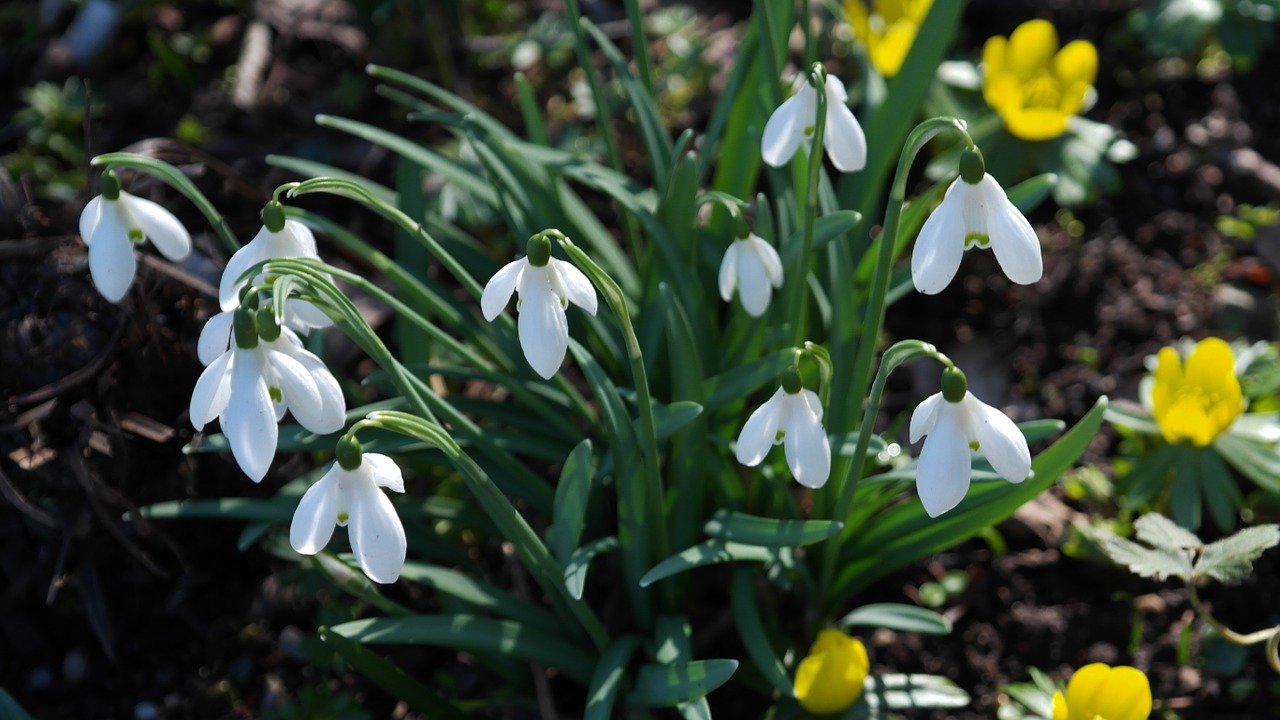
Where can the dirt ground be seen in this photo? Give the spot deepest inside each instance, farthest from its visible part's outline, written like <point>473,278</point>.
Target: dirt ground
<point>106,617</point>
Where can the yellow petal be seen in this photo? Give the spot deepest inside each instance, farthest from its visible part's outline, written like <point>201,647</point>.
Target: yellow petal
<point>856,11</point>
<point>1126,696</point>
<point>830,678</point>
<point>993,52</point>
<point>917,9</point>
<point>1059,707</point>
<point>1087,686</point>
<point>1187,419</point>
<point>889,54</point>
<point>1077,62</point>
<point>1073,98</point>
<point>1031,48</point>
<point>1034,123</point>
<point>1168,382</point>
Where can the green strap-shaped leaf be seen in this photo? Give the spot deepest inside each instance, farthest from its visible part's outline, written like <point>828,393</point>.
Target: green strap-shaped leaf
<point>606,681</point>
<point>669,418</point>
<point>730,525</point>
<point>469,632</point>
<point>668,685</point>
<point>733,385</point>
<point>708,553</point>
<point>755,638</point>
<point>390,677</point>
<point>896,616</point>
<point>478,594</point>
<point>900,691</point>
<point>573,494</point>
<point>575,570</point>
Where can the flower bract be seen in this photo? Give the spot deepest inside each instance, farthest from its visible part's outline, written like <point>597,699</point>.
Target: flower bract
<point>944,470</point>
<point>294,240</point>
<point>250,388</point>
<point>753,267</point>
<point>887,28</point>
<point>1200,400</point>
<point>1034,86</point>
<point>352,498</point>
<point>830,678</point>
<point>795,421</point>
<point>544,292</point>
<point>1101,692</point>
<point>112,227</point>
<point>974,214</point>
<point>793,122</point>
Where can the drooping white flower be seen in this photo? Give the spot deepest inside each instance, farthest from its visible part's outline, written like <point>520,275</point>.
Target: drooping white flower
<point>545,286</point>
<point>754,268</point>
<point>795,421</point>
<point>975,211</point>
<point>251,381</point>
<point>279,238</point>
<point>793,122</point>
<point>351,498</point>
<point>112,223</point>
<point>954,426</point>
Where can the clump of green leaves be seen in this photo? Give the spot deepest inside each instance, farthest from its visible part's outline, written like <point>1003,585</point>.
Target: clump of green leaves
<point>53,152</point>
<point>1198,28</point>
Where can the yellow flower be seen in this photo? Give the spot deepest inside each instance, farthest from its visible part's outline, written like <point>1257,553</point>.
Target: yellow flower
<point>1101,692</point>
<point>887,28</point>
<point>1199,402</point>
<point>831,677</point>
<point>1034,86</point>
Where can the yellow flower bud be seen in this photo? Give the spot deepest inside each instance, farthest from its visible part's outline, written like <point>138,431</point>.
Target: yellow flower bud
<point>1101,692</point>
<point>830,678</point>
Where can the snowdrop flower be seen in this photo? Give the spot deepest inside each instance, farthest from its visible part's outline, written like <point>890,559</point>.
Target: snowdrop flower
<point>754,268</point>
<point>794,120</point>
<point>975,211</point>
<point>1102,691</point>
<point>793,417</point>
<point>956,421</point>
<point>545,286</point>
<point>279,238</point>
<point>262,371</point>
<point>831,676</point>
<point>113,223</point>
<point>348,495</point>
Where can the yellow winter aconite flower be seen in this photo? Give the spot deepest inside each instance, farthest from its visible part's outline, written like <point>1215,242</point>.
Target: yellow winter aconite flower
<point>887,28</point>
<point>830,678</point>
<point>1034,86</point>
<point>1198,402</point>
<point>1101,692</point>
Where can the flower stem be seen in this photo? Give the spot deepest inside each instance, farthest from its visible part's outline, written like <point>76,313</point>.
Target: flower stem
<point>797,306</point>
<point>175,179</point>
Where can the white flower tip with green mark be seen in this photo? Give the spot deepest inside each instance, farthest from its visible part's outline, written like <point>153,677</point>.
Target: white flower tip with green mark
<point>793,122</point>
<point>112,227</point>
<point>544,293</point>
<point>795,420</point>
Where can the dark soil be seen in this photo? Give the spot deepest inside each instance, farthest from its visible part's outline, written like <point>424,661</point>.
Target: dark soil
<point>105,615</point>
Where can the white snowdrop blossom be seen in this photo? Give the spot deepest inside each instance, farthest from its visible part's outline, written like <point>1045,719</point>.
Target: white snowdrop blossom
<point>112,223</point>
<point>279,238</point>
<point>975,211</point>
<point>793,122</point>
<point>250,383</point>
<point>545,286</point>
<point>795,421</point>
<point>954,427</point>
<point>351,498</point>
<point>753,267</point>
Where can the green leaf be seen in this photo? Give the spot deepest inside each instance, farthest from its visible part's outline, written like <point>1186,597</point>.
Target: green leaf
<point>1187,497</point>
<point>895,616</point>
<point>10,709</point>
<point>1157,563</point>
<point>670,418</point>
<point>606,681</point>
<point>1221,494</point>
<point>668,685</point>
<point>1148,478</point>
<point>575,570</point>
<point>386,675</point>
<point>1159,531</point>
<point>710,552</point>
<point>739,527</point>
<point>901,691</point>
<point>573,495</point>
<point>478,594</point>
<point>1230,560</point>
<point>1028,194</point>
<point>825,229</point>
<point>1255,460</point>
<point>310,168</point>
<point>1133,416</point>
<point>468,632</point>
<point>734,385</point>
<point>755,638</point>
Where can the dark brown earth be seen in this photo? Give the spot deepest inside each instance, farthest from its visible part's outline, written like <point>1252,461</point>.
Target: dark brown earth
<point>103,617</point>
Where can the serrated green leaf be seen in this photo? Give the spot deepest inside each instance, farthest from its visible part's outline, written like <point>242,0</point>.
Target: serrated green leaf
<point>1230,560</point>
<point>667,685</point>
<point>747,529</point>
<point>895,616</point>
<point>1157,563</point>
<point>1159,531</point>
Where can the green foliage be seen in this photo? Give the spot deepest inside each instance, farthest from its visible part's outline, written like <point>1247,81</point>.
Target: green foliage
<point>1192,28</point>
<point>1171,551</point>
<point>51,122</point>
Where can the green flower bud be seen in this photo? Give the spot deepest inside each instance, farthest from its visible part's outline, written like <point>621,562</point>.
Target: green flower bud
<point>954,385</point>
<point>110,184</point>
<point>791,381</point>
<point>538,250</point>
<point>245,325</point>
<point>273,216</point>
<point>349,454</point>
<point>972,167</point>
<point>268,328</point>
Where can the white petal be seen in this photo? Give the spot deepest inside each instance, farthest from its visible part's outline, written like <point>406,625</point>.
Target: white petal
<point>806,445</point>
<point>89,218</point>
<point>544,330</point>
<point>317,514</point>
<point>999,439</point>
<point>760,431</point>
<point>302,242</point>
<point>376,534</point>
<point>304,316</point>
<point>497,292</point>
<point>111,261</point>
<point>940,245</point>
<point>249,421</point>
<point>215,337</point>
<point>384,471</point>
<point>243,259</point>
<point>212,391</point>
<point>728,277</point>
<point>754,288</point>
<point>577,288</point>
<point>160,226</point>
<point>1012,238</point>
<point>769,258</point>
<point>786,127</point>
<point>333,407</point>
<point>843,138</point>
<point>924,416</point>
<point>298,389</point>
<point>943,473</point>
